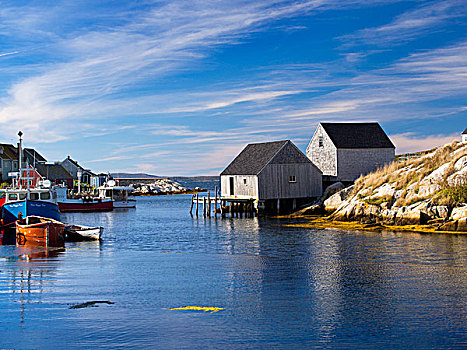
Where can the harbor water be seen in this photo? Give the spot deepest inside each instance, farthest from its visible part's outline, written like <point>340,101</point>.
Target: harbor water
<point>276,287</point>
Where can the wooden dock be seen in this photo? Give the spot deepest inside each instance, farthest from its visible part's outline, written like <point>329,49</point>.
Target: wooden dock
<point>235,207</point>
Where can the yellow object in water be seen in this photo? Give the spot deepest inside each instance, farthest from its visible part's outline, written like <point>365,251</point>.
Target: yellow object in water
<point>212,309</point>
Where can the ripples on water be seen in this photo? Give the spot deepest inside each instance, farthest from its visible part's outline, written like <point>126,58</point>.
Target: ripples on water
<point>280,287</point>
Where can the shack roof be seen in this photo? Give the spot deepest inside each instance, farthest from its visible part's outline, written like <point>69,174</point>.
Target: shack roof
<point>465,132</point>
<point>53,171</point>
<point>8,151</point>
<point>255,156</point>
<point>357,135</point>
<point>34,154</point>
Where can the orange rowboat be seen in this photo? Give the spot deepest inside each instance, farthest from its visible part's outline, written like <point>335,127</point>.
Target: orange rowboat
<point>39,231</point>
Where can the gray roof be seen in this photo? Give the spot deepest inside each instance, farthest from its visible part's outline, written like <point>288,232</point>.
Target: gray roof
<point>357,135</point>
<point>34,154</point>
<point>53,171</point>
<point>255,156</point>
<point>465,131</point>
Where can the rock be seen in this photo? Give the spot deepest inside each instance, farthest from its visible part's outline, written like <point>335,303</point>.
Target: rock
<point>330,190</point>
<point>333,202</point>
<point>459,213</point>
<point>387,189</point>
<point>462,224</point>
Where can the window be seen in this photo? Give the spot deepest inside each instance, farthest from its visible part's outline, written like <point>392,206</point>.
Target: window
<point>244,181</point>
<point>292,178</point>
<point>34,196</point>
<point>12,197</point>
<point>320,141</point>
<point>45,195</point>
<point>22,196</point>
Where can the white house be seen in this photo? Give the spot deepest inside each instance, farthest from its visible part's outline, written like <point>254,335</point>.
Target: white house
<point>464,136</point>
<point>344,151</point>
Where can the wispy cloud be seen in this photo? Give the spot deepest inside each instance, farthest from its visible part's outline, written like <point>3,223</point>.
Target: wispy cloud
<point>409,142</point>
<point>410,25</point>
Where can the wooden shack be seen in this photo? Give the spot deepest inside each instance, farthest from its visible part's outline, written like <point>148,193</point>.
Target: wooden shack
<point>277,175</point>
<point>344,151</point>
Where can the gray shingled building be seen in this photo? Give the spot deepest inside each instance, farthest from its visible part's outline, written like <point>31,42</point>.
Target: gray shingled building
<point>344,151</point>
<point>276,174</point>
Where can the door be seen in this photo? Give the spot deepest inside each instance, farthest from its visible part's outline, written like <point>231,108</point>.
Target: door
<point>231,186</point>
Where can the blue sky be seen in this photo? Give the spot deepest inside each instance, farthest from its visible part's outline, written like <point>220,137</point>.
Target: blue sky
<point>180,87</point>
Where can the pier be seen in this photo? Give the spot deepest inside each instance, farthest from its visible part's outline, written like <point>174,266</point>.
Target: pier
<point>233,206</point>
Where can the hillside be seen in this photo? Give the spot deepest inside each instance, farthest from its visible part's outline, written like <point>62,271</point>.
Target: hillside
<point>430,189</point>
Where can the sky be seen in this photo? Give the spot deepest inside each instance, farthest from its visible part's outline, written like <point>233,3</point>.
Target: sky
<point>180,87</point>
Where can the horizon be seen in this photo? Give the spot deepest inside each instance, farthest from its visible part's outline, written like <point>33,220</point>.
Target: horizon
<point>178,87</point>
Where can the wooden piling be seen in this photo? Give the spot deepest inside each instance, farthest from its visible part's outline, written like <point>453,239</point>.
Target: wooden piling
<point>209,204</point>
<point>204,207</point>
<point>191,207</point>
<point>215,202</point>
<point>197,197</point>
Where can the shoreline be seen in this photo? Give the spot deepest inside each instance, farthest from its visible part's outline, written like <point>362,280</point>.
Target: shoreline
<point>194,191</point>
<point>323,222</point>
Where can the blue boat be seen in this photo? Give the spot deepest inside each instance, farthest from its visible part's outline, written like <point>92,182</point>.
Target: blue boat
<point>26,207</point>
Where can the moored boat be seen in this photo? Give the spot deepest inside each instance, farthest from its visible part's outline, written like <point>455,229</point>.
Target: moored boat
<point>118,194</point>
<point>39,231</point>
<point>76,233</point>
<point>36,202</point>
<point>84,204</point>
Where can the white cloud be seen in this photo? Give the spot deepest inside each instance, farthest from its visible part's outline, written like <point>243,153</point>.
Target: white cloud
<point>409,142</point>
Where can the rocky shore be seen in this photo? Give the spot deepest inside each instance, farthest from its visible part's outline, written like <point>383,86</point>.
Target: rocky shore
<point>427,193</point>
<point>161,187</point>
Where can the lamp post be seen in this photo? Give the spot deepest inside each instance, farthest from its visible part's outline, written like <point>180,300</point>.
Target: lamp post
<point>20,151</point>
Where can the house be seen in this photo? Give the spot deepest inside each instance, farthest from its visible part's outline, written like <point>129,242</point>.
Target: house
<point>277,175</point>
<point>464,136</point>
<point>344,151</point>
<point>87,177</point>
<point>8,160</point>
<point>56,173</point>
<point>33,157</point>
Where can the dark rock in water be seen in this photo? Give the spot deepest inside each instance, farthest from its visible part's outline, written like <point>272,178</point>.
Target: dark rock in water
<point>91,304</point>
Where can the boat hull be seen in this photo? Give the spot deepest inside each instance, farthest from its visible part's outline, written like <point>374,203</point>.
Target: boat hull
<point>27,207</point>
<point>36,231</point>
<point>75,233</point>
<point>130,203</point>
<point>82,206</point>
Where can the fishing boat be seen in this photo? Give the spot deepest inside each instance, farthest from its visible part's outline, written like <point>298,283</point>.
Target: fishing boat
<point>76,233</point>
<point>118,194</point>
<point>37,202</point>
<point>83,204</point>
<point>23,201</point>
<point>39,231</point>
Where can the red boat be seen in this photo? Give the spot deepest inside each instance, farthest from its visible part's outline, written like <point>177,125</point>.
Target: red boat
<point>38,231</point>
<point>84,204</point>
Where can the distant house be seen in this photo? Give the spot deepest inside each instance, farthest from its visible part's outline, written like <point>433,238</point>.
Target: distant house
<point>464,136</point>
<point>8,160</point>
<point>276,174</point>
<point>33,157</point>
<point>56,173</point>
<point>344,151</point>
<point>87,177</point>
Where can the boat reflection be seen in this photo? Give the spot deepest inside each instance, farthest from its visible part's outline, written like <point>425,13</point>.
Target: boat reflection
<point>30,275</point>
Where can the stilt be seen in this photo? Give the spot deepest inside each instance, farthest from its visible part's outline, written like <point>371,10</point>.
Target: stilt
<point>204,207</point>
<point>197,200</point>
<point>278,206</point>
<point>191,207</point>
<point>223,208</point>
<point>209,204</point>
<point>215,203</point>
<point>294,204</point>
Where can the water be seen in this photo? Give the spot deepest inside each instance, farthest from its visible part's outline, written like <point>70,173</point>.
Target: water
<point>280,287</point>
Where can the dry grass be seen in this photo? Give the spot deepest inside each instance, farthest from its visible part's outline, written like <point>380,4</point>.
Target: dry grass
<point>413,171</point>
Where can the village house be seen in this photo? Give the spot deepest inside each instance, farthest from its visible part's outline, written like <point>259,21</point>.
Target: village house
<point>56,173</point>
<point>8,160</point>
<point>344,151</point>
<point>86,178</point>
<point>277,175</point>
<point>464,136</point>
